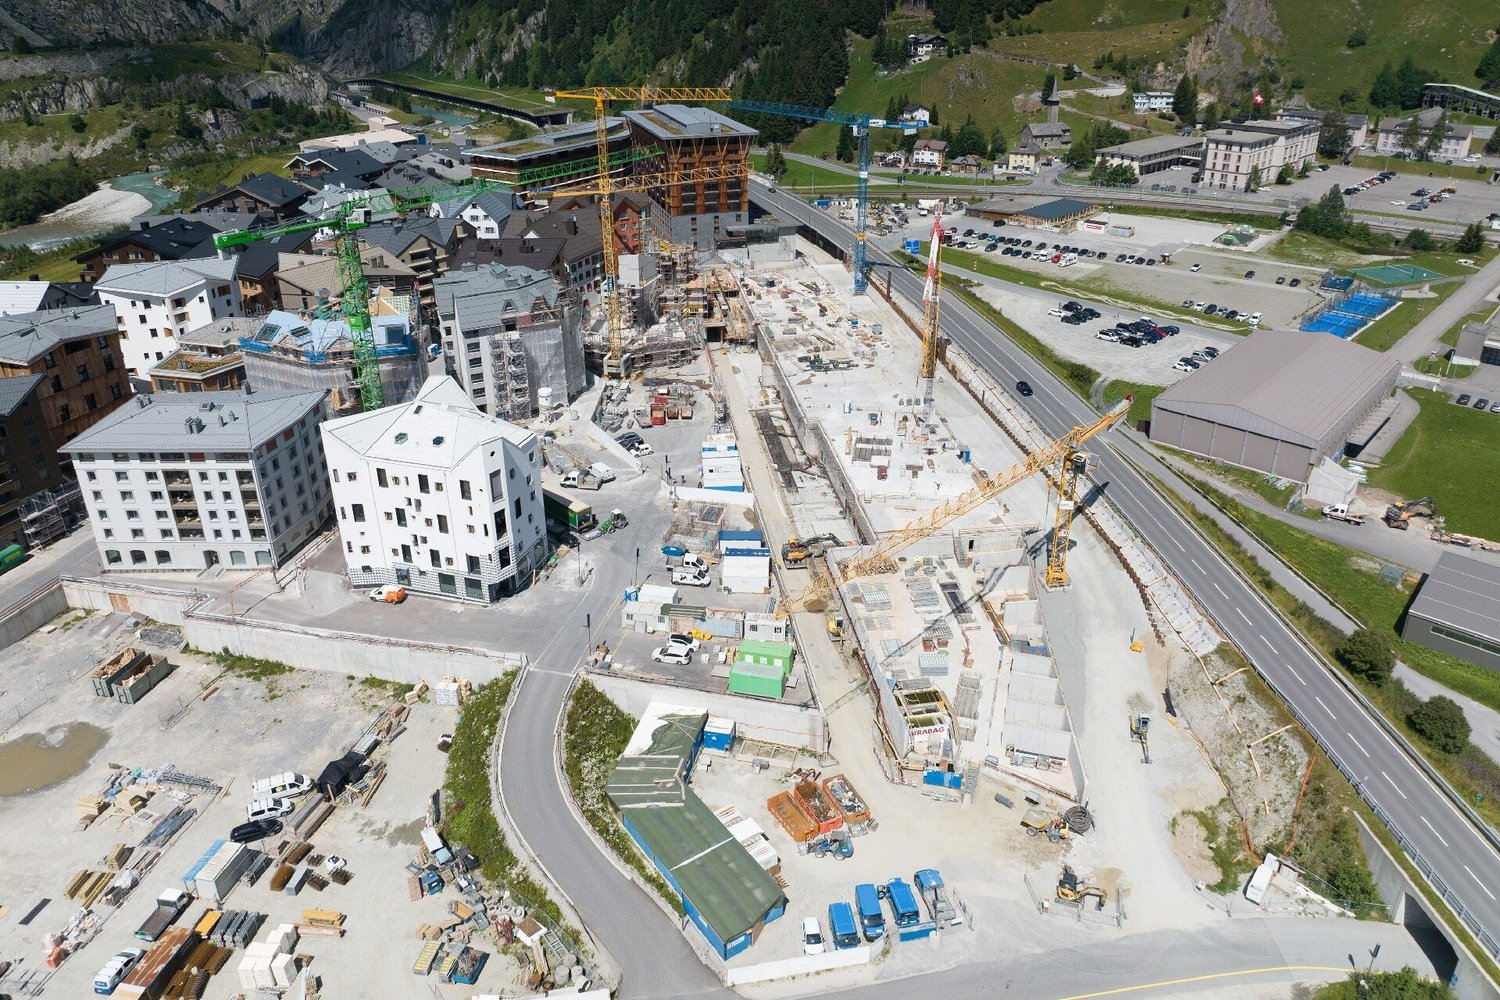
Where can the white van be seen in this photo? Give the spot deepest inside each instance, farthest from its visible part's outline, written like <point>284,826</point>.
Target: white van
<point>115,970</point>
<point>268,809</point>
<point>690,577</point>
<point>286,785</point>
<point>604,473</point>
<point>1068,258</point>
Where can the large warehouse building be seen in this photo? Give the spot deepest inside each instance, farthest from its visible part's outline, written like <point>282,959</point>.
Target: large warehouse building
<point>1277,402</point>
<point>1457,611</point>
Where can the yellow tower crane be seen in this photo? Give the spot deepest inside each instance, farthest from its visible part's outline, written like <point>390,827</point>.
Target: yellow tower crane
<point>930,316</point>
<point>878,559</point>
<point>602,97</point>
<point>1074,465</point>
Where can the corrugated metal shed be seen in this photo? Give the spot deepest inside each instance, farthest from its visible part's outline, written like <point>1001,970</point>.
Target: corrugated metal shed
<point>1462,593</point>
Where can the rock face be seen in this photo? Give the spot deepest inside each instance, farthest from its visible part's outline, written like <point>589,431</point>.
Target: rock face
<point>346,37</point>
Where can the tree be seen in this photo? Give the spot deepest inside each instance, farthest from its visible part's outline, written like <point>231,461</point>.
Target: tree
<point>1411,135</point>
<point>1385,92</point>
<point>1284,175</point>
<point>514,130</point>
<point>776,162</point>
<point>1049,85</point>
<point>76,122</point>
<point>1349,97</point>
<point>969,140</point>
<point>1366,653</point>
<point>1488,69</point>
<point>1252,180</point>
<point>1419,240</point>
<point>932,115</point>
<point>1403,985</point>
<point>893,109</point>
<point>1187,11</point>
<point>140,134</point>
<point>1185,99</point>
<point>1211,115</point>
<point>20,46</point>
<point>1304,170</point>
<point>1409,83</point>
<point>1333,134</point>
<point>1433,146</point>
<point>1472,240</point>
<point>185,126</point>
<point>999,147</point>
<point>1492,144</point>
<point>845,151</point>
<point>1357,38</point>
<point>1440,721</point>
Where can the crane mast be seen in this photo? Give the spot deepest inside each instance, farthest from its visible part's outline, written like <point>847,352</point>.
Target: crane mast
<point>930,295</point>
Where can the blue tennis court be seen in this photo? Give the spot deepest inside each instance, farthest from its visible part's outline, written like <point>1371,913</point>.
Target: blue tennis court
<point>1339,284</point>
<point>1340,326</point>
<point>1365,305</point>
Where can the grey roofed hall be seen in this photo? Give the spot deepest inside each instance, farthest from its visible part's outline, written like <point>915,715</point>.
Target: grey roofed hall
<point>1059,208</point>
<point>1462,593</point>
<point>220,421</point>
<point>1290,386</point>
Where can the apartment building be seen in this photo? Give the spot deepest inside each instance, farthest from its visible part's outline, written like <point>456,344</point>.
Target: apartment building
<point>165,238</point>
<point>437,497</point>
<point>1235,150</point>
<point>512,339</point>
<point>695,213</point>
<point>485,213</point>
<point>29,462</point>
<point>576,222</point>
<point>186,481</point>
<point>77,351</point>
<point>421,243</point>
<point>206,359</point>
<point>155,303</point>
<point>1457,138</point>
<point>564,153</point>
<point>1146,101</point>
<point>929,153</point>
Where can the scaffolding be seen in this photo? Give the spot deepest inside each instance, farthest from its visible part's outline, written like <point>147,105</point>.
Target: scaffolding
<point>513,392</point>
<point>51,515</point>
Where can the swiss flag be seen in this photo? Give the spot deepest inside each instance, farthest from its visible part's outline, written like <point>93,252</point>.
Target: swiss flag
<point>1258,98</point>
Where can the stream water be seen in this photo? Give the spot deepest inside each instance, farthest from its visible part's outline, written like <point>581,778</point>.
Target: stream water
<point>116,202</point>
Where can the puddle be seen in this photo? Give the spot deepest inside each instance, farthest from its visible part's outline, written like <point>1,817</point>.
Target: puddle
<point>35,761</point>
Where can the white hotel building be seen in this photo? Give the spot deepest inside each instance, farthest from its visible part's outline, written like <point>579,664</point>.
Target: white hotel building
<point>159,301</point>
<point>437,497</point>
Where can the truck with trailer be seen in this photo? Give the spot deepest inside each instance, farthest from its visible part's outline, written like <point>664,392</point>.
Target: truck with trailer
<point>871,913</point>
<point>169,906</point>
<point>567,514</point>
<point>934,893</point>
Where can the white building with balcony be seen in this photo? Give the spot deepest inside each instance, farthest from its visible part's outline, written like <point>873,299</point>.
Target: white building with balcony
<point>188,481</point>
<point>159,301</point>
<point>437,497</point>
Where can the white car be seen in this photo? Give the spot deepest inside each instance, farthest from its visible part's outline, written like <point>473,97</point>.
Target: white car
<point>1196,267</point>
<point>642,450</point>
<point>690,578</point>
<point>116,969</point>
<point>671,654</point>
<point>1464,261</point>
<point>269,809</point>
<point>812,937</point>
<point>684,641</point>
<point>1399,204</point>
<point>1054,311</point>
<point>1109,335</point>
<point>1254,319</point>
<point>1180,367</point>
<point>286,785</point>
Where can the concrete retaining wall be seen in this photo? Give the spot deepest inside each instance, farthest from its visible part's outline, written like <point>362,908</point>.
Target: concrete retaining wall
<point>30,613</point>
<point>771,722</point>
<point>1410,908</point>
<point>804,965</point>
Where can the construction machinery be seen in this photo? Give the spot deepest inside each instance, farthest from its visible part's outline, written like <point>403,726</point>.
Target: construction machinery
<point>878,558</point>
<point>1139,724</point>
<point>1037,821</point>
<point>861,125</point>
<point>1072,889</point>
<point>797,553</point>
<point>606,185</point>
<point>930,312</point>
<point>1074,467</point>
<point>1397,515</point>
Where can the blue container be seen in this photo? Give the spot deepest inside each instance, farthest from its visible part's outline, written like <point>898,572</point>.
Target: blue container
<point>934,776</point>
<point>912,246</point>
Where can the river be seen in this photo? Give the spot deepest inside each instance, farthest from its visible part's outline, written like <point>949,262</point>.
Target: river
<point>115,203</point>
<point>444,115</point>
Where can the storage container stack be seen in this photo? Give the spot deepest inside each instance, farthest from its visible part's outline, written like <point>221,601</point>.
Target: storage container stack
<point>721,463</point>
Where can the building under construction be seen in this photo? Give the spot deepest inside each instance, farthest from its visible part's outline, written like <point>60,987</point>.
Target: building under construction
<point>51,515</point>
<point>314,350</point>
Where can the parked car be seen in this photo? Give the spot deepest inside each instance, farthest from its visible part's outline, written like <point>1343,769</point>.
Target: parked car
<point>268,809</point>
<point>1495,406</point>
<point>1254,319</point>
<point>1463,399</point>
<point>1481,403</point>
<point>388,594</point>
<point>641,450</point>
<point>1294,282</point>
<point>671,654</point>
<point>260,829</point>
<point>1212,352</point>
<point>684,640</point>
<point>1249,274</point>
<point>1196,267</point>
<point>1281,279</point>
<point>812,937</point>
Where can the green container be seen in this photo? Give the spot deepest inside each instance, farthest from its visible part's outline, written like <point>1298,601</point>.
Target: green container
<point>766,653</point>
<point>11,556</point>
<point>759,680</point>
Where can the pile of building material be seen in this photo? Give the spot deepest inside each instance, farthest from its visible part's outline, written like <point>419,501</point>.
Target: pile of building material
<point>751,837</point>
<point>154,972</point>
<point>234,928</point>
<point>270,964</point>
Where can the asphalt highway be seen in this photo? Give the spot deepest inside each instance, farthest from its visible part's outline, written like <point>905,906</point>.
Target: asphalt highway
<point>1460,854</point>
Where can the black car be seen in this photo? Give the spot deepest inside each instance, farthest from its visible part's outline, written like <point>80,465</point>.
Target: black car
<point>1249,274</point>
<point>1463,400</point>
<point>1071,307</point>
<point>1481,403</point>
<point>1212,352</point>
<point>1119,258</point>
<point>1294,282</point>
<point>1281,279</point>
<point>1131,341</point>
<point>1026,243</point>
<point>259,829</point>
<point>1171,331</point>
<point>1024,388</point>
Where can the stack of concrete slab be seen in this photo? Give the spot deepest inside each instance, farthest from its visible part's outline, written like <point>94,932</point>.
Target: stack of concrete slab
<point>269,964</point>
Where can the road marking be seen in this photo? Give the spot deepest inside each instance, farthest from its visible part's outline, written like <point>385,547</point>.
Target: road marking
<point>1397,787</point>
<point>1326,708</point>
<point>1242,615</point>
<point>1267,642</point>
<point>1205,978</point>
<point>1220,590</point>
<point>1195,564</point>
<point>1439,836</point>
<point>1296,675</point>
<point>1481,884</point>
<point>1358,744</point>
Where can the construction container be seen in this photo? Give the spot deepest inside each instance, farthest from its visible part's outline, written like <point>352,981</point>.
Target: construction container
<point>718,734</point>
<point>856,813</point>
<point>151,975</point>
<point>222,872</point>
<point>10,557</point>
<point>759,651</point>
<point>813,800</point>
<point>470,963</point>
<point>190,877</point>
<point>142,676</point>
<point>798,825</point>
<point>757,680</point>
<point>105,675</point>
<point>746,571</point>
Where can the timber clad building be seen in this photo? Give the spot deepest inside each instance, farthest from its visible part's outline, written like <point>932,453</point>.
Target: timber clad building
<point>695,213</point>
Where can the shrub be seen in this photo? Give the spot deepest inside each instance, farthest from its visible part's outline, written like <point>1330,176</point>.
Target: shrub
<point>1367,654</point>
<point>1441,722</point>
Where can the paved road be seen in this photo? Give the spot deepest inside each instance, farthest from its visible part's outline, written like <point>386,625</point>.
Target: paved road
<point>1462,856</point>
<point>1423,337</point>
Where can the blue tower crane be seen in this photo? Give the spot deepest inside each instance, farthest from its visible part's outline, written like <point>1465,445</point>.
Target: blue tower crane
<point>861,126</point>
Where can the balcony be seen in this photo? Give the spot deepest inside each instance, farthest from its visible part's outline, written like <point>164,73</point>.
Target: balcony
<point>190,534</point>
<point>183,501</point>
<point>189,520</point>
<point>177,477</point>
<point>245,479</point>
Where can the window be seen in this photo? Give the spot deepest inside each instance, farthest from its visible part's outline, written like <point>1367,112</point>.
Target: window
<point>83,373</point>
<point>132,515</point>
<point>109,532</point>
<point>442,520</point>
<point>422,484</point>
<point>473,563</point>
<point>109,362</point>
<point>136,533</point>
<point>236,557</point>
<point>380,477</point>
<point>435,556</point>
<point>401,517</point>
<point>137,557</point>
<point>121,477</point>
<point>64,413</point>
<point>127,494</point>
<point>358,511</point>
<point>112,556</point>
<point>463,489</point>
<point>163,557</point>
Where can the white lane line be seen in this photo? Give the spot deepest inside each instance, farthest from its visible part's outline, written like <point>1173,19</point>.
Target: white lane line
<point>1397,787</point>
<point>1429,826</point>
<point>1481,884</point>
<point>1197,567</point>
<point>1242,615</point>
<point>1267,642</point>
<point>1296,675</point>
<point>1326,708</point>
<point>1220,590</point>
<point>1358,744</point>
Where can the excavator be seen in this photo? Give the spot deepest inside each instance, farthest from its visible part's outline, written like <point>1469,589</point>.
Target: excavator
<point>1140,724</point>
<point>1398,514</point>
<point>1071,890</point>
<point>796,553</point>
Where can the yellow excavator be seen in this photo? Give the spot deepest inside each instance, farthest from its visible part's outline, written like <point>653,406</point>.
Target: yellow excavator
<point>1398,514</point>
<point>1070,889</point>
<point>796,553</point>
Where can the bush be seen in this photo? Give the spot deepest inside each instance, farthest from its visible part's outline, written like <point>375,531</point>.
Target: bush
<point>1367,654</point>
<point>1440,722</point>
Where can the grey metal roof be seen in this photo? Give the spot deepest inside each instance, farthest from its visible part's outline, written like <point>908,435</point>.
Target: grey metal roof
<point>273,190</point>
<point>397,237</point>
<point>221,332</point>
<point>437,428</point>
<point>1153,144</point>
<point>481,298</point>
<point>1462,593</point>
<point>197,421</point>
<point>1287,385</point>
<point>25,337</point>
<point>14,389</point>
<point>163,277</point>
<point>670,122</point>
<point>1059,208</point>
<point>1049,128</point>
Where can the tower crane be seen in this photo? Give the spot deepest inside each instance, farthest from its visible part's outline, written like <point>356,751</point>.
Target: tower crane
<point>878,559</point>
<point>601,98</point>
<point>861,125</point>
<point>930,315</point>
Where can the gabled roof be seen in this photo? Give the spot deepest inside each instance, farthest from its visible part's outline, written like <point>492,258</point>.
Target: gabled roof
<point>258,260</point>
<point>315,272</point>
<point>510,251</point>
<point>197,421</point>
<point>13,392</point>
<point>27,336</point>
<point>163,277</point>
<point>496,204</point>
<point>935,145</point>
<point>278,192</point>
<point>176,238</point>
<point>438,428</point>
<point>28,296</point>
<point>1462,593</point>
<point>425,170</point>
<point>578,228</point>
<point>481,298</point>
<point>216,219</point>
<point>398,237</point>
<point>1049,128</point>
<point>358,162</point>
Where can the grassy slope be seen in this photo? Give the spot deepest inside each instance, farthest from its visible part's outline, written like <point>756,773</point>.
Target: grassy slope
<point>1140,408</point>
<point>1453,453</point>
<point>1080,30</point>
<point>517,97</point>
